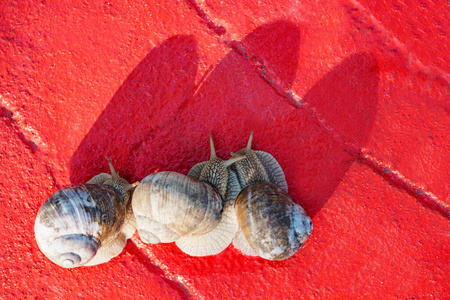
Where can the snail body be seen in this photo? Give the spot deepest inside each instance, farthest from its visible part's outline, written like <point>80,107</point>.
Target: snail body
<point>258,166</point>
<point>88,224</point>
<point>271,225</point>
<point>187,210</point>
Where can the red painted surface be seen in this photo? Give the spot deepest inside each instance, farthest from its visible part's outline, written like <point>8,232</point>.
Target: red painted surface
<point>350,97</point>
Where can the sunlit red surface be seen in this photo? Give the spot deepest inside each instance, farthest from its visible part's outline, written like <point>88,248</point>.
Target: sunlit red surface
<point>352,99</point>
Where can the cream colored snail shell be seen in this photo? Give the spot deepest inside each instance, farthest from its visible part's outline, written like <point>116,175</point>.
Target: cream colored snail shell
<point>271,225</point>
<point>172,207</point>
<point>88,224</point>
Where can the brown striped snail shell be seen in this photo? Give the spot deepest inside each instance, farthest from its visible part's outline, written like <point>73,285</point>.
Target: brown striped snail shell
<point>271,225</point>
<point>172,207</point>
<point>88,224</point>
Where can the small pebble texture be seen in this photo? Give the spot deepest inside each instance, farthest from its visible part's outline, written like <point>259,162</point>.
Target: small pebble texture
<point>351,97</point>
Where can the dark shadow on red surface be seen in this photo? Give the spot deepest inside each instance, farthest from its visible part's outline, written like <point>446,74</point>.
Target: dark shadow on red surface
<point>345,102</point>
<point>315,158</point>
<point>347,97</point>
<point>315,162</point>
<point>278,45</point>
<point>159,121</point>
<point>147,100</point>
<point>177,286</point>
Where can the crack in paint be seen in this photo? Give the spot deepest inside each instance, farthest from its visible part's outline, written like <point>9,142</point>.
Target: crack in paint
<point>180,284</point>
<point>26,133</point>
<point>219,30</point>
<point>266,73</point>
<point>410,60</point>
<point>360,14</point>
<point>30,138</point>
<point>401,182</point>
<point>259,63</point>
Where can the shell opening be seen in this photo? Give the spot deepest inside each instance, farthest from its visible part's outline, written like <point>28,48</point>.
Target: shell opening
<point>148,237</point>
<point>153,232</point>
<point>73,250</point>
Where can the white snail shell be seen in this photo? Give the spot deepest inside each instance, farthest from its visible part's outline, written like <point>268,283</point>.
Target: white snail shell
<point>168,205</point>
<point>187,210</point>
<point>271,225</point>
<point>88,224</point>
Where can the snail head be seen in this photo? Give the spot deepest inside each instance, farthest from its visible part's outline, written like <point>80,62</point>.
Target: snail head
<point>215,171</point>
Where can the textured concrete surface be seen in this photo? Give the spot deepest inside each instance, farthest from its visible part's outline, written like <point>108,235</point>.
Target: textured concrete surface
<point>352,98</point>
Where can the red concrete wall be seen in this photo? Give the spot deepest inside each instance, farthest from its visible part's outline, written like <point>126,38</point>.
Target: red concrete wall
<point>352,98</point>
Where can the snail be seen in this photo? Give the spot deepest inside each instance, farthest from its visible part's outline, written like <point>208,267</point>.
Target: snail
<point>271,225</point>
<point>172,207</point>
<point>88,224</point>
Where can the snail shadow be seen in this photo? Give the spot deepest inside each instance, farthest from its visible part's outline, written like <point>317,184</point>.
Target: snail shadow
<point>237,97</point>
<point>147,99</point>
<point>344,101</point>
<point>158,119</point>
<point>316,145</point>
<point>242,98</point>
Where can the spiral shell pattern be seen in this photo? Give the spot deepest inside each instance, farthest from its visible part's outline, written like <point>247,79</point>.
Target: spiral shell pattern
<point>75,222</point>
<point>273,225</point>
<point>168,205</point>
